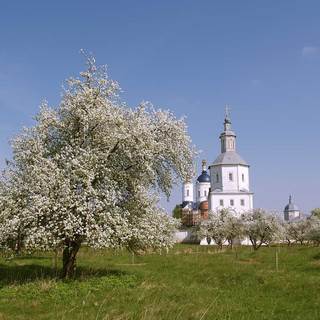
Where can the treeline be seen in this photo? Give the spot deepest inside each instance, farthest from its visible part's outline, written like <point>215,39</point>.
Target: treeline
<point>258,227</point>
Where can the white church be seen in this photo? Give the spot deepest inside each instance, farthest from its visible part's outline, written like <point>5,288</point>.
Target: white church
<point>227,185</point>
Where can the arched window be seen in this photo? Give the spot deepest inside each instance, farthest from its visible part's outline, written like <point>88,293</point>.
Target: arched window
<point>243,177</point>
<point>230,176</point>
<point>199,193</point>
<point>217,177</point>
<point>205,193</point>
<point>187,192</point>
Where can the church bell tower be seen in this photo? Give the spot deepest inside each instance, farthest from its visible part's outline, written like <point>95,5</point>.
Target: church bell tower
<point>230,187</point>
<point>227,137</point>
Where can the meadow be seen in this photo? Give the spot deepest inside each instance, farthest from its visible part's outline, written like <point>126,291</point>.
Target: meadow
<point>188,282</point>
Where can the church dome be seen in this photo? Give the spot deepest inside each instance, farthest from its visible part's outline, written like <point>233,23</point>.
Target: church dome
<point>291,206</point>
<point>204,177</point>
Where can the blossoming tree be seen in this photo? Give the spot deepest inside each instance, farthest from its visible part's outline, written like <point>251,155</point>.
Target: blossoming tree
<point>89,171</point>
<point>261,227</point>
<point>221,226</point>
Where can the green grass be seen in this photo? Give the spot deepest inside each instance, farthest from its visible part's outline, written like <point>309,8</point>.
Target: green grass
<point>190,282</point>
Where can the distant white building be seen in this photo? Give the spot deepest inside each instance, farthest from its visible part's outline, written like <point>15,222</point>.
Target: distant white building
<point>291,211</point>
<point>227,186</point>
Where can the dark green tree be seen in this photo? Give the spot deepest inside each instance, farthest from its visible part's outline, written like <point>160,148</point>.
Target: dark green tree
<point>177,212</point>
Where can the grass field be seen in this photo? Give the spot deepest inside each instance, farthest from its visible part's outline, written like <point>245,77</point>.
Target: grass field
<point>190,282</point>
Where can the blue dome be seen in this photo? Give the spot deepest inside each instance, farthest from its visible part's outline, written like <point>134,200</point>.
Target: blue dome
<point>204,177</point>
<point>187,204</point>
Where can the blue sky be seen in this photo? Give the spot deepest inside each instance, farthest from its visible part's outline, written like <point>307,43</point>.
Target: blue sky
<point>193,57</point>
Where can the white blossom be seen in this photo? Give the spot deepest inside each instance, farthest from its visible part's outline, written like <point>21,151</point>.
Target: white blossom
<point>261,227</point>
<point>90,169</point>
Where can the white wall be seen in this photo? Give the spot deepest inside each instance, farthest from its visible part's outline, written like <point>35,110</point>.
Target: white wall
<point>215,198</point>
<point>216,184</point>
<point>224,183</point>
<point>227,184</point>
<point>187,236</point>
<point>294,214</point>
<point>244,184</point>
<point>187,192</point>
<point>203,189</point>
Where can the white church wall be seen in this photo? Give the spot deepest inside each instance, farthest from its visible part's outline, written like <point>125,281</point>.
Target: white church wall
<point>294,214</point>
<point>202,191</point>
<point>182,236</point>
<point>187,191</point>
<point>243,178</point>
<point>229,178</point>
<point>237,202</point>
<point>244,242</point>
<point>216,178</point>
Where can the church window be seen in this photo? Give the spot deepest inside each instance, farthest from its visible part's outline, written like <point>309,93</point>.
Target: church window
<point>221,202</point>
<point>242,177</point>
<point>217,177</point>
<point>232,202</point>
<point>199,193</point>
<point>230,176</point>
<point>242,202</point>
<point>205,193</point>
<point>187,192</point>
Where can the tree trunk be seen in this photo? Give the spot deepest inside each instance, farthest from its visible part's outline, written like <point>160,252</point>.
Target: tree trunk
<point>258,245</point>
<point>254,243</point>
<point>18,243</point>
<point>55,260</point>
<point>69,258</point>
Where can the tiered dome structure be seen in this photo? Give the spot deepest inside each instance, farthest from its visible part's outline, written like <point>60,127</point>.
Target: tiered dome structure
<point>203,184</point>
<point>229,175</point>
<point>291,211</point>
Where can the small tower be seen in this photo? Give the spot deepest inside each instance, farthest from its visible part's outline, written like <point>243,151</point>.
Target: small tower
<point>227,137</point>
<point>187,194</point>
<point>203,184</point>
<point>291,211</point>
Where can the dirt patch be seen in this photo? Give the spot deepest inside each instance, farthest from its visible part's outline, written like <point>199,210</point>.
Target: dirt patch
<point>131,264</point>
<point>148,285</point>
<point>316,263</point>
<point>249,261</point>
